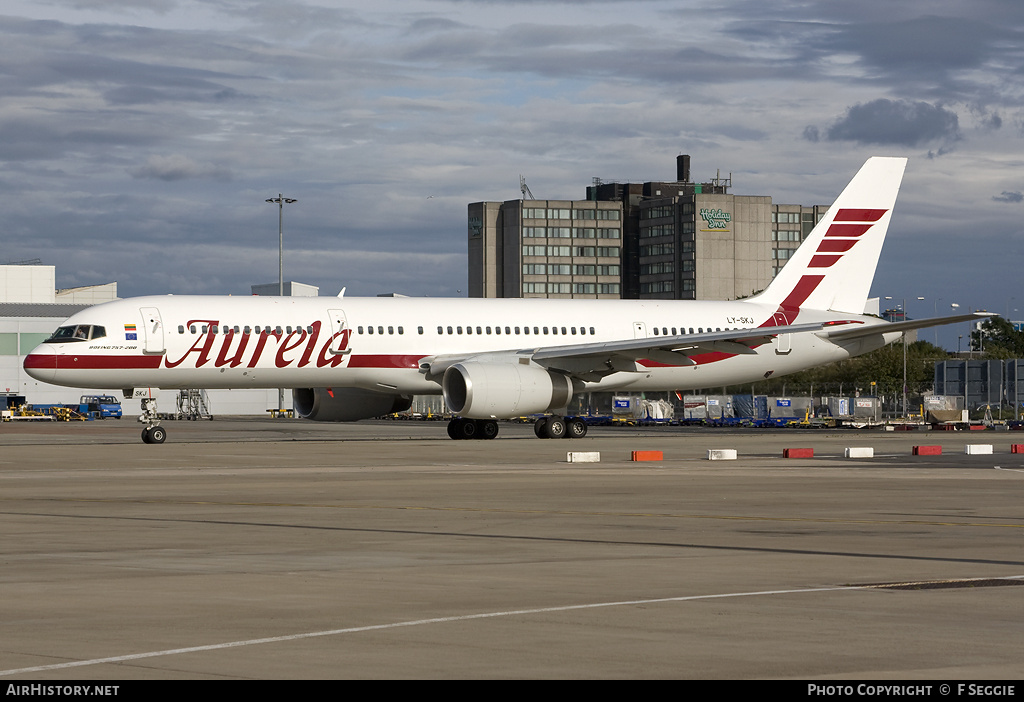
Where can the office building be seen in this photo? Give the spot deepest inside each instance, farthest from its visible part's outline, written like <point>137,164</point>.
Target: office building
<point>654,240</point>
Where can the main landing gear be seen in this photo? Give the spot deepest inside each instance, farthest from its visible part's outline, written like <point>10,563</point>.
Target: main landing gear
<point>551,427</point>
<point>462,428</point>
<point>555,427</point>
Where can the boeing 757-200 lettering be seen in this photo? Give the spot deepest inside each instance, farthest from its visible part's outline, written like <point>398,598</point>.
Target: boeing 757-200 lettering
<point>353,358</point>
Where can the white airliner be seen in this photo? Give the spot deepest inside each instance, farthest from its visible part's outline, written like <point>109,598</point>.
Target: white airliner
<point>353,358</point>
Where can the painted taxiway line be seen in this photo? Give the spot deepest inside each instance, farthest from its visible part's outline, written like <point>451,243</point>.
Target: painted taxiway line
<point>413,622</point>
<point>421,622</point>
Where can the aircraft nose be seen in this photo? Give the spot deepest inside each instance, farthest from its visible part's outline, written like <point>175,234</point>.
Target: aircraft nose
<point>41,363</point>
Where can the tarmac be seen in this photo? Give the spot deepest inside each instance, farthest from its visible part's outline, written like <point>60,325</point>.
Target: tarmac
<point>285,549</point>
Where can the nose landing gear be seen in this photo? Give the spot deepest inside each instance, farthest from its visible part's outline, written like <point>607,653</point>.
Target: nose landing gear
<point>153,433</point>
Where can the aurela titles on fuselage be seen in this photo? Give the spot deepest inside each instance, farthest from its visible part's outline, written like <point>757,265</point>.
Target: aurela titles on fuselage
<point>354,358</point>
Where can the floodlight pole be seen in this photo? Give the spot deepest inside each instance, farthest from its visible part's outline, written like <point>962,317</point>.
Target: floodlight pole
<point>280,201</point>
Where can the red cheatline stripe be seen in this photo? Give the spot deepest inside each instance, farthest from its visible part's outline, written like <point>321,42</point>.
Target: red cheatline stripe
<point>84,362</point>
<point>384,361</point>
<point>847,229</point>
<point>852,215</point>
<point>40,360</point>
<point>823,261</point>
<point>836,245</point>
<point>801,291</point>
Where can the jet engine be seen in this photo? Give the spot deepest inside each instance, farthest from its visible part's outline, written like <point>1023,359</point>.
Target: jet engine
<point>502,390</point>
<point>346,404</point>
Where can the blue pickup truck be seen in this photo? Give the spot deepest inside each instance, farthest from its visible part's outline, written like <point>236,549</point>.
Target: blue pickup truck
<point>100,406</point>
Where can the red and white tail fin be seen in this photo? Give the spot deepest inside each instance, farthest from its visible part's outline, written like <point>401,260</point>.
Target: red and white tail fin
<point>833,268</point>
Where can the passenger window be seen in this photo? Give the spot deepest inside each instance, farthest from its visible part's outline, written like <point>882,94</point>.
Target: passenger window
<point>369,330</point>
<point>469,330</point>
<point>507,330</point>
<point>458,329</point>
<point>449,330</point>
<point>655,331</point>
<point>192,328</point>
<point>536,330</point>
<point>391,330</point>
<point>478,330</point>
<point>591,331</point>
<point>205,328</point>
<point>380,330</point>
<point>246,329</point>
<point>181,328</point>
<point>488,330</point>
<point>545,330</point>
<point>401,330</point>
<point>526,330</point>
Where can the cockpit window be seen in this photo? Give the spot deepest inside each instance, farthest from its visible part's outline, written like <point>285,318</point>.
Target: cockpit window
<point>77,332</point>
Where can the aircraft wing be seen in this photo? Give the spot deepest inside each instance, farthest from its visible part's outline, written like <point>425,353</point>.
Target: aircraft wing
<point>597,359</point>
<point>885,327</point>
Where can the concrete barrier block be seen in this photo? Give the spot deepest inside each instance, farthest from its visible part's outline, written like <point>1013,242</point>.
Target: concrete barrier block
<point>866,452</point>
<point>977,449</point>
<point>584,457</point>
<point>721,454</point>
<point>798,453</point>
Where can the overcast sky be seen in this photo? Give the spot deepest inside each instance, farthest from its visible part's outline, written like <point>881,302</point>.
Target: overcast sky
<point>139,139</point>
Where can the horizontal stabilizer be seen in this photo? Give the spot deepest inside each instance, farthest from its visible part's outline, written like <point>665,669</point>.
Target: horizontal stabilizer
<point>886,327</point>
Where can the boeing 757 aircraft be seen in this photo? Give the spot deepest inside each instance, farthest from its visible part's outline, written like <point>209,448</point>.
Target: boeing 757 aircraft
<point>353,358</point>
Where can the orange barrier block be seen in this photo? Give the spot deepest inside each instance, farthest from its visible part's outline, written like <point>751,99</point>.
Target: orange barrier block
<point>1016,448</point>
<point>646,456</point>
<point>977,427</point>
<point>798,453</point>
<point>927,450</point>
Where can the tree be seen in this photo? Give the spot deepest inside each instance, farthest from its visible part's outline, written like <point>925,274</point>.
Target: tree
<point>998,339</point>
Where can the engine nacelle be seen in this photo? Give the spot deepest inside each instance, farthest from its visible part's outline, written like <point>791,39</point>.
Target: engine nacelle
<point>346,404</point>
<point>503,390</point>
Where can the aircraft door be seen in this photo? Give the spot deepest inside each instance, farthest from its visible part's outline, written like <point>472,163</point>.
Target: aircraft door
<point>639,330</point>
<point>152,330</point>
<point>783,342</point>
<point>340,333</point>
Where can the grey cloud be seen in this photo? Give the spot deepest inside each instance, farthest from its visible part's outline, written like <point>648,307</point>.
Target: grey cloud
<point>178,167</point>
<point>1007,196</point>
<point>897,122</point>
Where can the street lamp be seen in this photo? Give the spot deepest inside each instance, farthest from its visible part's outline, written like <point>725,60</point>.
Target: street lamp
<point>280,201</point>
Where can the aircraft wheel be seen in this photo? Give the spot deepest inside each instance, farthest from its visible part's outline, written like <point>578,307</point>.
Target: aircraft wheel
<point>145,436</point>
<point>488,429</point>
<point>555,428</point>
<point>461,428</point>
<point>157,435</point>
<point>452,433</point>
<point>540,428</point>
<point>575,428</point>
